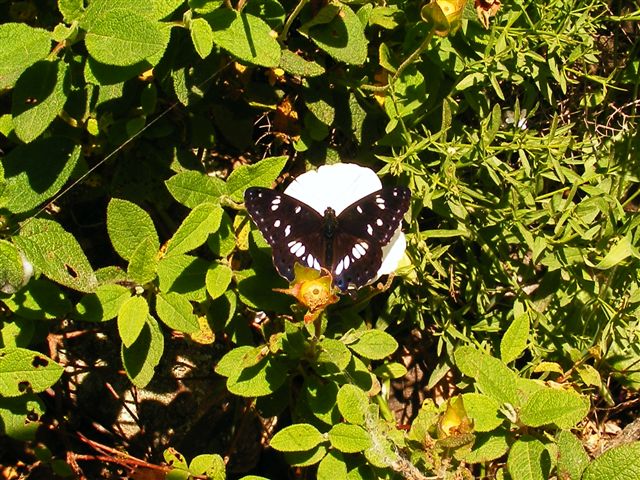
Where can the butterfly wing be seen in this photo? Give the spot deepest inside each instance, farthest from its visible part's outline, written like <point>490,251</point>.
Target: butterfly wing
<point>291,227</point>
<point>363,229</point>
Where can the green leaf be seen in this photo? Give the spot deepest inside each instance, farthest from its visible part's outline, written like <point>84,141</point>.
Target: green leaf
<point>515,338</point>
<point>24,371</point>
<point>296,65</point>
<point>35,172</point>
<point>121,37</point>
<point>223,242</point>
<point>590,376</point>
<point>487,447</point>
<point>349,438</point>
<point>56,254</point>
<point>102,305</point>
<point>144,262</point>
<point>201,36</point>
<point>306,459</point>
<point>38,98</point>
<point>141,358</point>
<point>620,463</point>
<point>352,403</point>
<point>343,37</point>
<point>131,318</point>
<point>529,460</point>
<point>41,300</point>
<point>177,474</point>
<point>210,465</point>
<point>244,36</point>
<point>321,398</point>
<point>17,333</point>
<point>374,345</point>
<point>218,279</point>
<point>257,378</point>
<point>332,467</point>
<point>195,229</point>
<point>483,410</point>
<point>621,250</point>
<point>494,378</point>
<point>192,188</point>
<point>333,355</point>
<point>296,438</point>
<point>164,8</point>
<point>261,174</point>
<point>128,226</point>
<point>563,408</point>
<point>71,9</point>
<point>185,275</point>
<point>20,416</point>
<point>176,312</point>
<point>572,459</point>
<point>22,46</point>
<point>11,270</point>
<point>390,371</point>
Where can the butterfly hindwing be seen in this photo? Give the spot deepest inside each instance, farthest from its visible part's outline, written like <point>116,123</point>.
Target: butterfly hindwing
<point>291,227</point>
<point>355,260</point>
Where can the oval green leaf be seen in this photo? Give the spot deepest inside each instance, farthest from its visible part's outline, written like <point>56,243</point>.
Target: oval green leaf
<point>121,37</point>
<point>131,318</point>
<point>23,371</point>
<point>297,438</point>
<point>244,36</point>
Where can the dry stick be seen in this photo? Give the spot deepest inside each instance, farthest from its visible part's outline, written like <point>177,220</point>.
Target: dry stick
<point>117,456</point>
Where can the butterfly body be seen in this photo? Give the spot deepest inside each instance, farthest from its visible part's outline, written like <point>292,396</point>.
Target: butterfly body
<point>347,243</point>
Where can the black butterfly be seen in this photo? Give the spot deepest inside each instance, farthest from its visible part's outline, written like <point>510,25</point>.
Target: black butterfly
<point>349,245</point>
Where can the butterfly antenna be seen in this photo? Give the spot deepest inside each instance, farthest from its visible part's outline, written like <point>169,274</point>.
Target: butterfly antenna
<point>119,148</point>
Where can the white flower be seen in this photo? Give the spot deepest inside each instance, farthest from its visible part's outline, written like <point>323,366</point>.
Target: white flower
<point>338,186</point>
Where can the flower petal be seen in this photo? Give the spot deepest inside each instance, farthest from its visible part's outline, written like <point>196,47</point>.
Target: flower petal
<point>336,186</point>
<point>392,253</point>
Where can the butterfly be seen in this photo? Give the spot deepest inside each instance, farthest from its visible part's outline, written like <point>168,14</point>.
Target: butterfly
<point>348,244</point>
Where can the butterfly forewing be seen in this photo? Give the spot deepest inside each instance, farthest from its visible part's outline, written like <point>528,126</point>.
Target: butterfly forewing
<point>376,216</point>
<point>292,228</point>
<point>363,229</point>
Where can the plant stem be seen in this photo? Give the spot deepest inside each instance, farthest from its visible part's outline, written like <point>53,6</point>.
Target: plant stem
<point>292,17</point>
<point>408,61</point>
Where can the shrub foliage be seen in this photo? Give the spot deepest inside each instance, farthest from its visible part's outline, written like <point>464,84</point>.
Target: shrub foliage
<point>139,328</point>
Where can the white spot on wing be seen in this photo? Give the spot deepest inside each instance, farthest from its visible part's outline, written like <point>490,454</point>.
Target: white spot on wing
<point>276,223</point>
<point>295,247</point>
<point>310,260</point>
<point>300,252</point>
<point>379,222</point>
<point>276,201</point>
<point>361,248</point>
<point>316,264</point>
<point>339,267</point>
<point>274,207</point>
<point>355,252</point>
<point>290,244</point>
<point>369,229</point>
<point>381,206</point>
<point>359,209</point>
<point>346,261</point>
<point>298,208</point>
<point>287,230</point>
